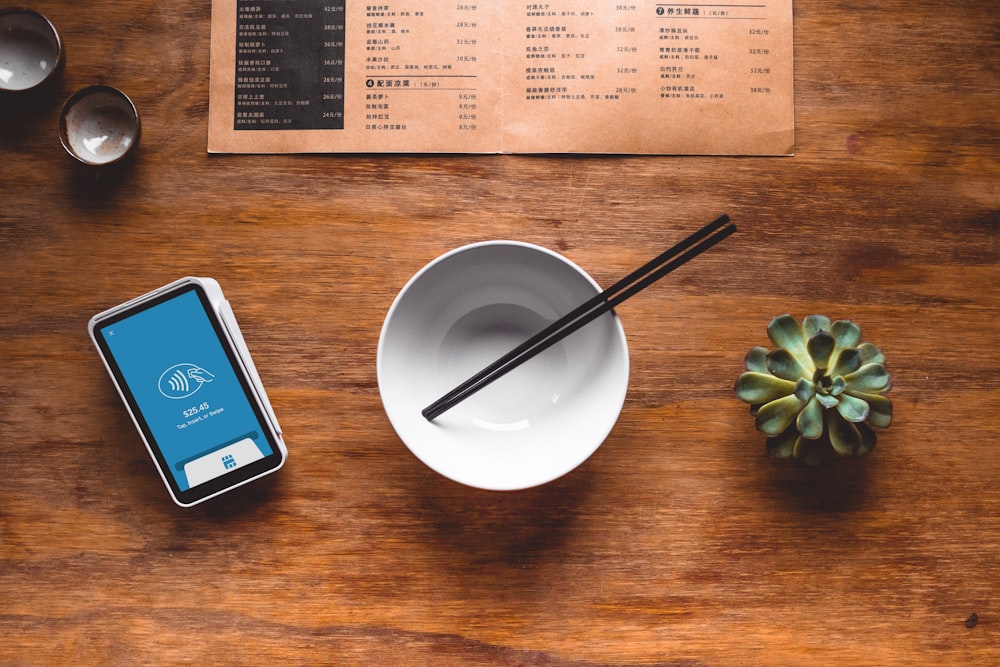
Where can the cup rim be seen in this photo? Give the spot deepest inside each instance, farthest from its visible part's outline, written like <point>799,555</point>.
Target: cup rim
<point>60,49</point>
<point>84,92</point>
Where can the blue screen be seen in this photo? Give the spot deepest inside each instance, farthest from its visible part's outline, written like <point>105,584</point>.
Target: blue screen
<point>187,390</point>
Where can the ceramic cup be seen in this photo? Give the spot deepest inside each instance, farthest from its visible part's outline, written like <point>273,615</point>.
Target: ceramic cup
<point>463,311</point>
<point>99,125</point>
<point>30,50</point>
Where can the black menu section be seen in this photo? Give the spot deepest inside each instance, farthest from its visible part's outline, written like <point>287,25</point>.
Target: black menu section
<point>289,65</point>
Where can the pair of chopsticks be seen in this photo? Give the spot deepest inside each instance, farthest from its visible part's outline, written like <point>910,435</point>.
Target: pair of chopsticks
<point>587,312</point>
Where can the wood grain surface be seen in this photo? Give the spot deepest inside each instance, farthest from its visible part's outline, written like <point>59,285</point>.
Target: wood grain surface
<point>679,542</point>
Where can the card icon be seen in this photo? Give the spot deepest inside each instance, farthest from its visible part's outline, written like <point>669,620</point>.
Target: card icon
<point>183,380</point>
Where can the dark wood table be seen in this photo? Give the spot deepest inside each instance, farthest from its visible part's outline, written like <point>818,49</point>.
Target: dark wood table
<point>679,542</point>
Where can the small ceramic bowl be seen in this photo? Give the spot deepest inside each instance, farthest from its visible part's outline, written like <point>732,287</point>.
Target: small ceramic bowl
<point>463,311</point>
<point>30,50</point>
<point>99,125</point>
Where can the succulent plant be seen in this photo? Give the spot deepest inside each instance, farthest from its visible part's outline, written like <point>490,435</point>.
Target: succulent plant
<point>820,390</point>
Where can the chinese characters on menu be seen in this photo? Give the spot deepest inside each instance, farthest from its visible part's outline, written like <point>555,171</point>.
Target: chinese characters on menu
<point>629,77</point>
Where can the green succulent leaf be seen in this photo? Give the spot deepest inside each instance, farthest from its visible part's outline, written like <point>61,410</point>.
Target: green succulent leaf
<point>819,392</point>
<point>813,324</point>
<point>754,387</point>
<point>848,361</point>
<point>781,446</point>
<point>844,436</point>
<point>804,389</point>
<point>828,401</point>
<point>810,420</point>
<point>871,354</point>
<point>847,333</point>
<point>820,347</point>
<point>782,363</point>
<point>756,359</point>
<point>809,452</point>
<point>776,416</point>
<point>869,378</point>
<point>867,439</point>
<point>852,408</point>
<point>879,408</point>
<point>785,332</point>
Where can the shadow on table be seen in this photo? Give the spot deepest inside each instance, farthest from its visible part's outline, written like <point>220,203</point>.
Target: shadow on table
<point>840,485</point>
<point>95,185</point>
<point>32,119</point>
<point>511,527</point>
<point>24,117</point>
<point>262,495</point>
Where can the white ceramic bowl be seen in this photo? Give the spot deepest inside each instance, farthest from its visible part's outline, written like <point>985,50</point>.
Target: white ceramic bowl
<point>463,311</point>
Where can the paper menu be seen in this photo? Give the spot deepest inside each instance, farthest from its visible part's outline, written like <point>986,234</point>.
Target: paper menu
<point>329,76</point>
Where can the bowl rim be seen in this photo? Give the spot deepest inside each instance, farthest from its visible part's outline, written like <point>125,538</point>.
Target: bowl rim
<point>60,49</point>
<point>583,452</point>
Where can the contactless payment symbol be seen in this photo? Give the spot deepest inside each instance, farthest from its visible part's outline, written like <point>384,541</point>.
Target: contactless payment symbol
<point>183,380</point>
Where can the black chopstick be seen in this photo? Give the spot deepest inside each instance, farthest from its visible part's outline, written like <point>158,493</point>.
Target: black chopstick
<point>643,277</point>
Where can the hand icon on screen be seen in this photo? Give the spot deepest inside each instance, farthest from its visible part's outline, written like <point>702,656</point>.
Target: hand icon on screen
<point>182,380</point>
<point>200,375</point>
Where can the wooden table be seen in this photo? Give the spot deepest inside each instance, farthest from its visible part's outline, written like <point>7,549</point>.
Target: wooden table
<point>679,542</point>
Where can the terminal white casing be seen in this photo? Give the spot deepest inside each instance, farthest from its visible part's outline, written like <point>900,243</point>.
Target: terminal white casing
<point>234,339</point>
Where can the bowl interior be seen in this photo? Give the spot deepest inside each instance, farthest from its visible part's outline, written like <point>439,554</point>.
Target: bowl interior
<point>29,49</point>
<point>463,311</point>
<point>99,125</point>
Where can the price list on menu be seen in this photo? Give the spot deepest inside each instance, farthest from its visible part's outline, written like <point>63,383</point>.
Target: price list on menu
<point>289,65</point>
<point>556,76</point>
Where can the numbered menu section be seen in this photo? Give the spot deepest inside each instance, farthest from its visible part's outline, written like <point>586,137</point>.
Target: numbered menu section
<point>289,65</point>
<point>428,74</point>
